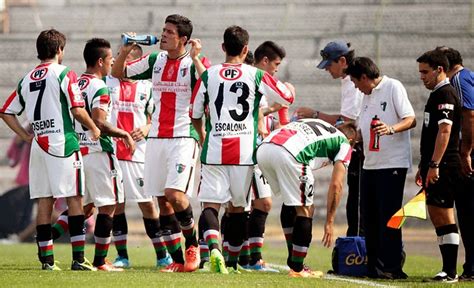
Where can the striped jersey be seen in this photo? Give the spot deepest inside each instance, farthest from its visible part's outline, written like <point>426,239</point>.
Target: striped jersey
<point>131,104</point>
<point>173,81</point>
<point>313,142</point>
<point>47,93</point>
<point>95,95</point>
<point>231,93</point>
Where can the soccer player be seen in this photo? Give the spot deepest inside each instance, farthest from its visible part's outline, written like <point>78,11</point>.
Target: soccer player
<point>336,56</point>
<point>462,80</point>
<point>268,57</point>
<point>104,188</point>
<point>132,106</point>
<point>438,171</point>
<point>231,93</point>
<point>172,147</point>
<point>287,157</point>
<point>51,98</point>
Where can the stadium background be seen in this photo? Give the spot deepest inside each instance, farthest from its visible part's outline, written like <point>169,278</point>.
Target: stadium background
<point>393,33</point>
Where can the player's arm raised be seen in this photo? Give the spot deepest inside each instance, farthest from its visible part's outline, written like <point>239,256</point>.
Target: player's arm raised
<point>275,90</point>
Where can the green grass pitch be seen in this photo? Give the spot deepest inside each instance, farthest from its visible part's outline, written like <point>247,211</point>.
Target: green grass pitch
<point>20,268</point>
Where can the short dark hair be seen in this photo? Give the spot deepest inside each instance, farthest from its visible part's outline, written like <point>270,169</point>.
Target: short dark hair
<point>183,25</point>
<point>363,65</point>
<point>349,130</point>
<point>270,50</point>
<point>434,58</point>
<point>249,59</point>
<point>235,39</point>
<point>96,48</point>
<point>48,43</point>
<point>349,55</point>
<point>453,55</point>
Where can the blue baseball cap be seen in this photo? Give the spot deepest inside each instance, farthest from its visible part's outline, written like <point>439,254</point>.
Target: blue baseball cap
<point>331,52</point>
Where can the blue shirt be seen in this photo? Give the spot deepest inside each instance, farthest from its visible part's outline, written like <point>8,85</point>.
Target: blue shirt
<point>463,82</point>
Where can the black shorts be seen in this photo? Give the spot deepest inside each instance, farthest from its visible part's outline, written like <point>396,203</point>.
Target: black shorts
<point>441,194</point>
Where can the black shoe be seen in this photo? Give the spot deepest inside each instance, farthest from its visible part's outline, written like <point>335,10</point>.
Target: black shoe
<point>466,277</point>
<point>443,277</point>
<point>392,276</point>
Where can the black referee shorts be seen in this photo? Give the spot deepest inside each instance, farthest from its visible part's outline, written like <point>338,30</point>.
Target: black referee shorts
<point>442,192</point>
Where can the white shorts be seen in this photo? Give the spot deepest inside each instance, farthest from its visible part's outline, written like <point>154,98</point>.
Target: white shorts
<point>104,185</point>
<point>170,163</point>
<point>260,187</point>
<point>224,183</point>
<point>292,180</point>
<point>132,173</point>
<point>52,176</point>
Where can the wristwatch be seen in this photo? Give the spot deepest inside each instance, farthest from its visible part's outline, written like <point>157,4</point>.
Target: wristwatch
<point>433,164</point>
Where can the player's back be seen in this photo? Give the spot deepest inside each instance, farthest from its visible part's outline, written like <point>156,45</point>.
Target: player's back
<point>96,95</point>
<point>312,141</point>
<point>233,113</point>
<point>48,92</point>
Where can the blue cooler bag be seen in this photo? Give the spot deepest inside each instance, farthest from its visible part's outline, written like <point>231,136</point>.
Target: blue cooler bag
<point>349,256</point>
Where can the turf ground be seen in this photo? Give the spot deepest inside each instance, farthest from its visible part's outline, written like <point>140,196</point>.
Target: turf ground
<point>19,268</point>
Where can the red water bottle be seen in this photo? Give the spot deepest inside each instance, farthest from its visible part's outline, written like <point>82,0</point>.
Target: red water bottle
<point>374,143</point>
<point>283,115</point>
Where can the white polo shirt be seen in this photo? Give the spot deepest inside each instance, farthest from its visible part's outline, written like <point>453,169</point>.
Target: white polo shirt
<point>389,101</point>
<point>351,99</point>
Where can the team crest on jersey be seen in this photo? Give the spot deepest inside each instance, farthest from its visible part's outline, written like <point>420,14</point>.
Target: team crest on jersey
<point>157,70</point>
<point>113,173</point>
<point>39,74</point>
<point>140,182</point>
<point>82,83</point>
<point>230,73</point>
<point>183,71</point>
<point>180,168</point>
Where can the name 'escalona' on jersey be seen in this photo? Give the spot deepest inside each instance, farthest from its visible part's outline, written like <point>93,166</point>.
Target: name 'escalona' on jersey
<point>230,127</point>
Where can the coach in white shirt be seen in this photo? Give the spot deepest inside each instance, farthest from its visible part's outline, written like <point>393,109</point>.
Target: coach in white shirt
<point>384,171</point>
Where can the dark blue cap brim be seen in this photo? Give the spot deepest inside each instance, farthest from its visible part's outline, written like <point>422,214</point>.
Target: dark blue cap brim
<point>323,64</point>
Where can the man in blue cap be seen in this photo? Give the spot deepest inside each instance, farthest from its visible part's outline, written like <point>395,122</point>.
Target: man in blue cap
<point>336,57</point>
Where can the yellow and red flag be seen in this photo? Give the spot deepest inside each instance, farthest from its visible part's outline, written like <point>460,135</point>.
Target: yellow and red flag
<point>416,208</point>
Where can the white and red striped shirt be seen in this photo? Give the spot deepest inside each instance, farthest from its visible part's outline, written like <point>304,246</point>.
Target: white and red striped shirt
<point>173,81</point>
<point>47,93</point>
<point>232,93</point>
<point>132,104</point>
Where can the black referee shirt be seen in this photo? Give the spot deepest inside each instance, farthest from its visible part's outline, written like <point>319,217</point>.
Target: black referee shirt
<point>443,106</point>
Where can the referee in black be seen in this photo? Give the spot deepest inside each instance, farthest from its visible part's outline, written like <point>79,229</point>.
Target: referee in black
<point>440,163</point>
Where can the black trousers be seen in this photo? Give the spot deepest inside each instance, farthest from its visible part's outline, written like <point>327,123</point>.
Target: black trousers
<point>354,221</point>
<point>381,197</point>
<point>464,201</point>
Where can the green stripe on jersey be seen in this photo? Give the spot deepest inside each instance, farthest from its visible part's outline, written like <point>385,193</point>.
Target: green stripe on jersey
<point>149,72</point>
<point>208,127</point>
<point>100,92</point>
<point>325,148</point>
<point>71,141</point>
<point>22,101</point>
<point>258,97</point>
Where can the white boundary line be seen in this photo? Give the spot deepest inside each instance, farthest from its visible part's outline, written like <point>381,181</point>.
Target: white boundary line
<point>335,277</point>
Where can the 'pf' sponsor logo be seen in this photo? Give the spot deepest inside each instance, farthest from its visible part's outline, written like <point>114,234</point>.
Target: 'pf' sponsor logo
<point>230,73</point>
<point>39,74</point>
